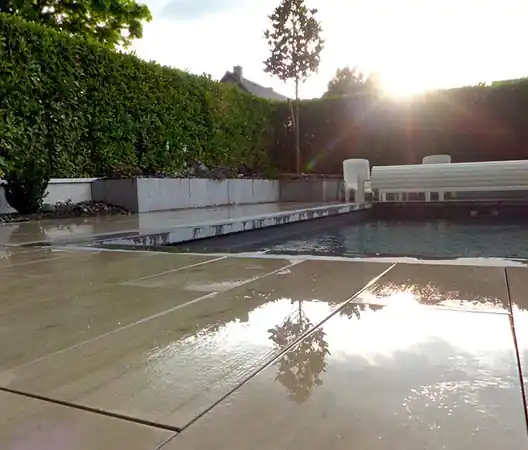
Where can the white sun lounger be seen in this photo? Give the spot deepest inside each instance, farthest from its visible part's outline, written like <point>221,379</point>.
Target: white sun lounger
<point>449,177</point>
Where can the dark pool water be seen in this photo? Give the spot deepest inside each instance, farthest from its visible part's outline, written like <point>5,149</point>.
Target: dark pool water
<point>434,239</point>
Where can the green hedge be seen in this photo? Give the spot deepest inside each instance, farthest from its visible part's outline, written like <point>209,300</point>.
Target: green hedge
<point>477,123</point>
<point>93,111</point>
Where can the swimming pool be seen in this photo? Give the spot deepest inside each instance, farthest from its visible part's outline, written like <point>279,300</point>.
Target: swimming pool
<point>442,239</point>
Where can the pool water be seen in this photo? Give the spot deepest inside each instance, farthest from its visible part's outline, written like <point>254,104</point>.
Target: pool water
<point>432,239</point>
<point>439,239</point>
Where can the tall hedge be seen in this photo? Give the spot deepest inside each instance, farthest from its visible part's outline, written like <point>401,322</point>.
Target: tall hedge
<point>478,123</point>
<point>92,111</point>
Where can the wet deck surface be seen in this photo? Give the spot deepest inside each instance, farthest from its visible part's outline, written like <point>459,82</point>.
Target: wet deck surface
<point>104,349</point>
<point>63,230</point>
<point>138,350</point>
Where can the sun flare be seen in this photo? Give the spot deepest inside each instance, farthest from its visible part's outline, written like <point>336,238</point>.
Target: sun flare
<point>401,85</point>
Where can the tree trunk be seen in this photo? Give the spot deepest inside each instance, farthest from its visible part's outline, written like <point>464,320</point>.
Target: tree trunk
<point>297,130</point>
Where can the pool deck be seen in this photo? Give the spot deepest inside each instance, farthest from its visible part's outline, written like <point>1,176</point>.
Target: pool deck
<point>150,350</point>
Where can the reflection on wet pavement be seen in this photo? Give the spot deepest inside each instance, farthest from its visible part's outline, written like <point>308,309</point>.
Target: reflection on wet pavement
<point>387,377</point>
<point>171,368</point>
<point>518,287</point>
<point>449,286</point>
<point>261,353</point>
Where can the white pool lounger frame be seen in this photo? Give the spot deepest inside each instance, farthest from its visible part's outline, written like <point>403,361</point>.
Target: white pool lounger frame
<point>492,176</point>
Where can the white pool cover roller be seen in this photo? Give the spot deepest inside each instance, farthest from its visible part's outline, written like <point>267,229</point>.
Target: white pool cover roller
<point>450,177</point>
<point>356,174</point>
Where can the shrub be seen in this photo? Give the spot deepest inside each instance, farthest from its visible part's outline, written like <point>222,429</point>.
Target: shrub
<point>25,186</point>
<point>92,111</point>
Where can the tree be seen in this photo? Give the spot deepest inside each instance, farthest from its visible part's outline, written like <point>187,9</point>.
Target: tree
<point>111,22</point>
<point>295,43</point>
<point>348,81</point>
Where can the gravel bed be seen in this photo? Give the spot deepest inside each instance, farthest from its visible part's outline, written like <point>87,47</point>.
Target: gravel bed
<point>67,210</point>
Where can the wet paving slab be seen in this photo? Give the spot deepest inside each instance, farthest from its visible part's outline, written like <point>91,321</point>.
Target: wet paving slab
<point>479,289</point>
<point>22,256</point>
<point>110,297</point>
<point>84,271</point>
<point>384,377</point>
<point>260,353</point>
<point>518,287</point>
<point>171,368</point>
<point>27,423</point>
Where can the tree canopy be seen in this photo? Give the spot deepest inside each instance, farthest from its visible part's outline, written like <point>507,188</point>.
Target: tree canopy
<point>295,43</point>
<point>110,22</point>
<point>349,81</point>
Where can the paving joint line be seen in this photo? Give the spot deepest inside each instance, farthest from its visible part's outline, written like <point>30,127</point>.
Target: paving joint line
<point>517,352</point>
<point>282,352</point>
<point>437,308</point>
<point>100,412</point>
<point>353,258</point>
<point>36,261</point>
<point>178,269</point>
<point>106,249</point>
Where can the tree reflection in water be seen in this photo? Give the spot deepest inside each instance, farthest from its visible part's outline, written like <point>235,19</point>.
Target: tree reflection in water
<point>353,310</point>
<point>300,369</point>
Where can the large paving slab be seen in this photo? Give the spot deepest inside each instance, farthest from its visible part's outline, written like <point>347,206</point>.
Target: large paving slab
<point>467,288</point>
<point>518,284</point>
<point>173,367</point>
<point>22,256</point>
<point>83,271</point>
<point>27,424</point>
<point>389,377</point>
<point>105,294</point>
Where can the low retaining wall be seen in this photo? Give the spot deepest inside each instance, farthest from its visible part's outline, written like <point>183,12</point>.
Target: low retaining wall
<point>161,194</point>
<point>59,190</point>
<point>311,190</point>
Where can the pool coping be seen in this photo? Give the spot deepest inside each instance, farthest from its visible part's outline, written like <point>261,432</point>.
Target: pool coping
<point>207,229</point>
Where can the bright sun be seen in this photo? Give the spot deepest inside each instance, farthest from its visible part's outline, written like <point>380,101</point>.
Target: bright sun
<point>401,85</point>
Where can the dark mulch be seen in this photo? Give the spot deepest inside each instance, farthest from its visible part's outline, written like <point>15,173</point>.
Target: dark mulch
<point>309,176</point>
<point>194,169</point>
<point>67,210</point>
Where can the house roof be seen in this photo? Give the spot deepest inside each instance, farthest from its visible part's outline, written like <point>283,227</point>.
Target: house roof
<point>253,88</point>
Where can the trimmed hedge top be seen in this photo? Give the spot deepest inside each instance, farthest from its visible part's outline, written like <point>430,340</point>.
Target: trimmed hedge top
<point>474,123</point>
<point>93,111</point>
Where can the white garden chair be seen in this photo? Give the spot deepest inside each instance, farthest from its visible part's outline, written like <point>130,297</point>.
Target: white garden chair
<point>436,159</point>
<point>356,174</point>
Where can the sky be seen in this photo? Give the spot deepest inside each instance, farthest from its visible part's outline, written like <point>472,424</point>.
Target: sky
<point>414,45</point>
